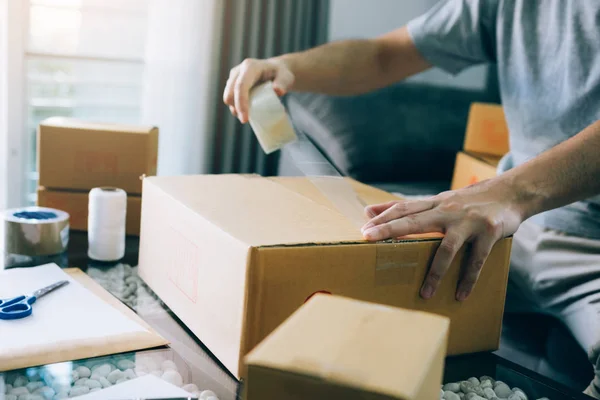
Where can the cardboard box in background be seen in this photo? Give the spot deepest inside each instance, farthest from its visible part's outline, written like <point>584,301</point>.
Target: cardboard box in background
<point>81,155</point>
<point>338,348</point>
<point>76,204</point>
<point>487,131</point>
<point>234,255</point>
<point>470,169</point>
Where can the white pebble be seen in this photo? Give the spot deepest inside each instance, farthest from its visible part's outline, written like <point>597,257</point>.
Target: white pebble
<point>11,397</point>
<point>104,382</point>
<point>114,376</point>
<point>502,390</point>
<point>33,397</point>
<point>487,378</point>
<point>121,381</point>
<point>168,364</point>
<point>452,387</point>
<point>212,398</point>
<point>61,396</point>
<point>80,382</point>
<point>474,381</point>
<point>19,390</point>
<point>47,392</point>
<point>20,381</point>
<point>84,372</point>
<point>206,394</point>
<point>519,392</point>
<point>103,370</point>
<point>95,390</point>
<point>448,395</point>
<point>461,395</point>
<point>78,391</point>
<point>196,394</point>
<point>125,364</point>
<point>173,377</point>
<point>141,373</point>
<point>156,373</point>
<point>190,388</point>
<point>7,388</point>
<point>514,397</point>
<point>489,393</point>
<point>129,374</point>
<point>93,384</point>
<point>74,376</point>
<point>486,384</point>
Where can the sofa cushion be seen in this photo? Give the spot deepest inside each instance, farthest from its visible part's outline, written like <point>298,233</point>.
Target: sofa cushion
<point>403,133</point>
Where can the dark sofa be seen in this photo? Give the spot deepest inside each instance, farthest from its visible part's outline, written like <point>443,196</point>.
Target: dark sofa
<point>404,139</point>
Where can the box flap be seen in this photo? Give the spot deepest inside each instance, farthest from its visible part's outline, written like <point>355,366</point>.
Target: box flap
<point>375,348</point>
<point>64,122</point>
<point>487,130</point>
<point>258,211</point>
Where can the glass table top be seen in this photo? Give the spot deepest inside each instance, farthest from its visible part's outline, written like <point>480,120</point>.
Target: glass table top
<point>188,364</point>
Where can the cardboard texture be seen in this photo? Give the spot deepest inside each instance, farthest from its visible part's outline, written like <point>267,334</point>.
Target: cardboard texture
<point>487,132</point>
<point>83,155</point>
<point>93,347</point>
<point>470,169</point>
<point>337,348</point>
<point>76,204</point>
<point>235,255</point>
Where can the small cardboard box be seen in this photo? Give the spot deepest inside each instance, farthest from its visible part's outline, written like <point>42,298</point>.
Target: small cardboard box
<point>76,204</point>
<point>337,348</point>
<point>471,168</point>
<point>81,155</point>
<point>235,255</point>
<point>487,131</point>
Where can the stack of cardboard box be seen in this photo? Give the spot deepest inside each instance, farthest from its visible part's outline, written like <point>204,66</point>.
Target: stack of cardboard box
<point>76,156</point>
<point>486,141</point>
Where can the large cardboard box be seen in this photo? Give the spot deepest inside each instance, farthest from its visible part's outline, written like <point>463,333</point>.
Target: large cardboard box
<point>338,348</point>
<point>235,255</point>
<point>81,155</point>
<point>472,168</point>
<point>76,204</point>
<point>487,131</point>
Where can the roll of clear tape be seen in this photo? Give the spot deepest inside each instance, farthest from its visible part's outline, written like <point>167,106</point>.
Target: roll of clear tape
<point>107,210</point>
<point>268,119</point>
<point>274,130</point>
<point>33,235</point>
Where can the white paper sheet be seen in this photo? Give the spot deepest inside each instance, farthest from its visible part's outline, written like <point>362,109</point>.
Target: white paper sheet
<point>69,313</point>
<point>147,386</point>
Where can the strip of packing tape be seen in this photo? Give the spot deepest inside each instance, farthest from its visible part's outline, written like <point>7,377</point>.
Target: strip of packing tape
<point>32,234</point>
<point>273,129</point>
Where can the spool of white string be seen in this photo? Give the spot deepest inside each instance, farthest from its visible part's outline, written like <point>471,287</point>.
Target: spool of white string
<point>106,224</point>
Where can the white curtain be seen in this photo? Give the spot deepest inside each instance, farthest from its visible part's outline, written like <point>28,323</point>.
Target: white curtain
<point>180,88</point>
<point>3,110</point>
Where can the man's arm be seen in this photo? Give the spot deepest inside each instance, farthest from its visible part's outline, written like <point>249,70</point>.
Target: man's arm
<point>339,68</point>
<point>353,67</point>
<point>484,213</point>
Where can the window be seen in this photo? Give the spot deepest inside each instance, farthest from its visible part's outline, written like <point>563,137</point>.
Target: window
<point>83,59</point>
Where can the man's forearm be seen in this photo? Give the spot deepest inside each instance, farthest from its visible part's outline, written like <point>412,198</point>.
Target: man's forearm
<point>566,173</point>
<point>352,67</point>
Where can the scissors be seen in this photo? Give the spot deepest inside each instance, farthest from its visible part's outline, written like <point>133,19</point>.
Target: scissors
<point>20,306</point>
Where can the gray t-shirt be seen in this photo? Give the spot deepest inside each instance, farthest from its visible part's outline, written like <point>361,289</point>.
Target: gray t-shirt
<point>548,58</point>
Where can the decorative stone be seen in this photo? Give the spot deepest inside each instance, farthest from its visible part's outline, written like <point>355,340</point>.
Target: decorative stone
<point>19,390</point>
<point>78,391</point>
<point>167,365</point>
<point>191,388</point>
<point>448,395</point>
<point>114,376</point>
<point>489,393</point>
<point>173,377</point>
<point>104,382</point>
<point>84,372</point>
<point>93,384</point>
<point>502,390</point>
<point>452,387</point>
<point>33,386</point>
<point>125,364</point>
<point>474,381</point>
<point>205,394</point>
<point>103,370</point>
<point>46,392</point>
<point>20,381</point>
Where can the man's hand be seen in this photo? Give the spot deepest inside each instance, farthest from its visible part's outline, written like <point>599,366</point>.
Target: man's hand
<point>247,75</point>
<point>480,214</point>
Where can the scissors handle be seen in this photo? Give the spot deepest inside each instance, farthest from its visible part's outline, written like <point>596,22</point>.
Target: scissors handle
<point>17,307</point>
